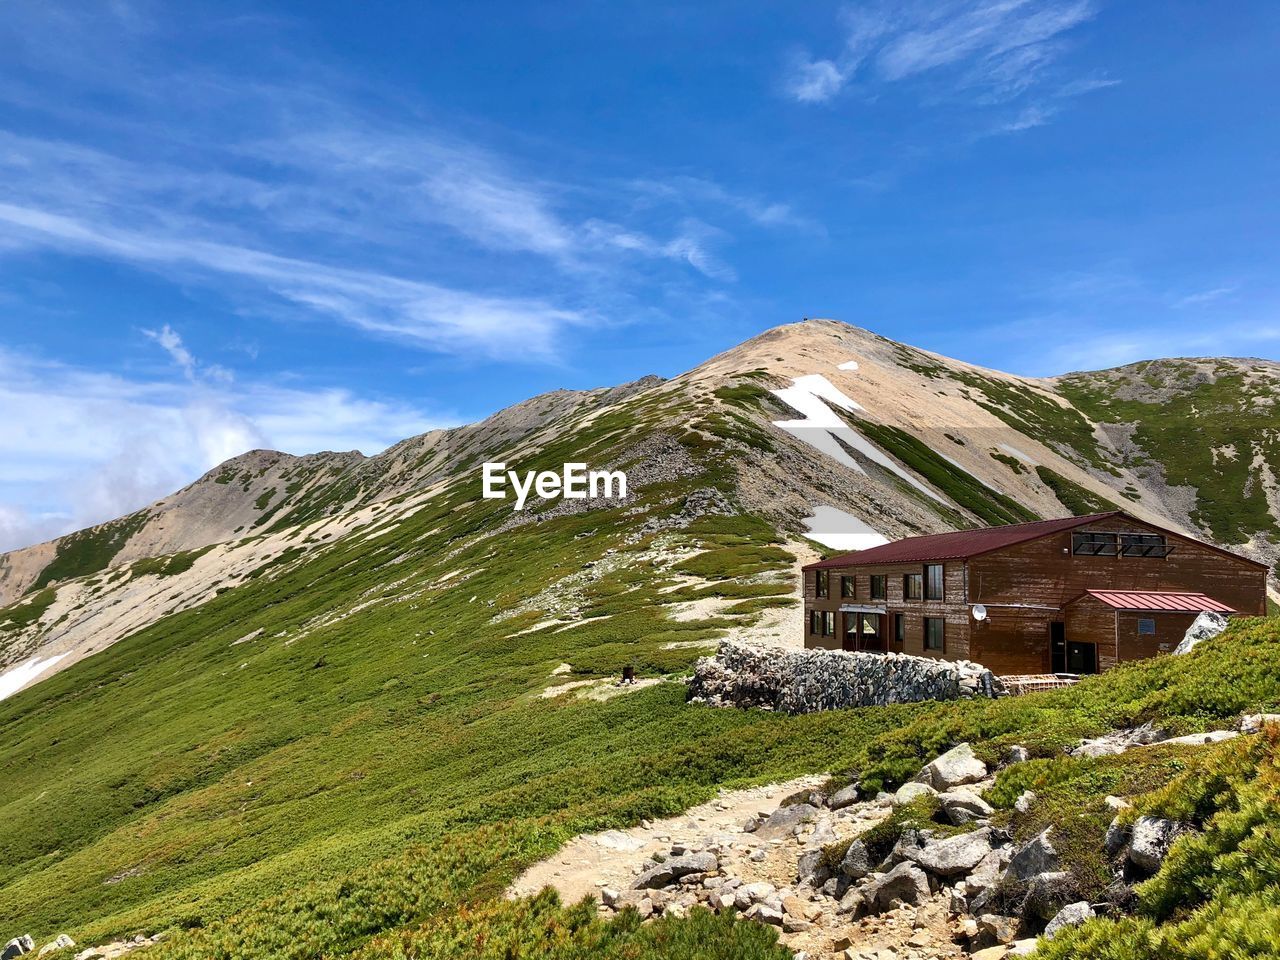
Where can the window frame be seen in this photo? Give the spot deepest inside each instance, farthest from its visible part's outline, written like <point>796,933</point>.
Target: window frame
<point>822,584</point>
<point>883,580</point>
<point>1107,542</point>
<point>941,584</point>
<point>913,586</point>
<point>852,583</point>
<point>828,623</point>
<point>1149,546</point>
<point>942,634</point>
<point>1147,620</point>
<point>900,629</point>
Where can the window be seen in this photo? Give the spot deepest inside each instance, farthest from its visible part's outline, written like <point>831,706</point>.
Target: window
<point>1143,545</point>
<point>912,586</point>
<point>822,584</point>
<point>900,630</point>
<point>1094,544</point>
<point>1146,627</point>
<point>850,625</point>
<point>933,581</point>
<point>828,623</point>
<point>878,586</point>
<point>815,622</point>
<point>847,587</point>
<point>934,633</point>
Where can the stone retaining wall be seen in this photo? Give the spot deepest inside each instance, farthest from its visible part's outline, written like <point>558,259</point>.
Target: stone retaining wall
<point>805,681</point>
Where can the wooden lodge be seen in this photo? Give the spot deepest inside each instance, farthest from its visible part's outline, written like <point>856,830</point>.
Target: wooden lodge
<point>1070,596</point>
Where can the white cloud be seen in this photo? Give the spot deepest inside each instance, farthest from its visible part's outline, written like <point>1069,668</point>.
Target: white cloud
<point>814,81</point>
<point>995,50</point>
<point>172,344</point>
<point>86,447</point>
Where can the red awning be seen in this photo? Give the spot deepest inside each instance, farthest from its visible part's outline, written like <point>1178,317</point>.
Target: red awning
<point>1158,601</point>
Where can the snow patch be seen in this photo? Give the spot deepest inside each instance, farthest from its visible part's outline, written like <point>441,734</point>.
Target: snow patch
<point>1015,452</point>
<point>842,531</point>
<point>823,429</point>
<point>848,365</point>
<point>11,681</point>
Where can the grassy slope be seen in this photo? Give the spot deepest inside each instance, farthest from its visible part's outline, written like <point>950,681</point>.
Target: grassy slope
<point>369,787</point>
<point>1181,433</point>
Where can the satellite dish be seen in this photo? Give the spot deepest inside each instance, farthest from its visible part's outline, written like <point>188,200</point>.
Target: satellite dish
<point>979,612</point>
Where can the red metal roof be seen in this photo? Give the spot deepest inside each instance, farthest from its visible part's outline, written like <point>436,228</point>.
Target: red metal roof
<point>959,544</point>
<point>1157,601</point>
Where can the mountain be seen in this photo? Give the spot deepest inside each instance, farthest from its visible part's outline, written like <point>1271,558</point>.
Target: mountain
<point>344,729</point>
<point>830,432</point>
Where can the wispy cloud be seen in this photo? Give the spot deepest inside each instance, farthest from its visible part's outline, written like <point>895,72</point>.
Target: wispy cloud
<point>982,51</point>
<point>86,446</point>
<point>1201,297</point>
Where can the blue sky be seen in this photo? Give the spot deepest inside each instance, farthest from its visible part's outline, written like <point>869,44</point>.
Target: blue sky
<point>327,225</point>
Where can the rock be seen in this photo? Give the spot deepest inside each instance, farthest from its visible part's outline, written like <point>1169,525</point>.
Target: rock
<point>793,906</point>
<point>753,893</point>
<point>955,767</point>
<point>964,806</point>
<point>905,882</point>
<point>910,791</point>
<point>812,796</point>
<point>1048,893</point>
<point>1072,915</point>
<point>61,942</point>
<point>810,868</point>
<point>609,896</point>
<point>1151,839</point>
<point>1118,741</point>
<point>1036,856</point>
<point>792,924</point>
<point>856,862</point>
<point>1019,754</point>
<point>1117,804</point>
<point>844,797</point>
<point>1197,739</point>
<point>1023,948</point>
<point>954,855</point>
<point>17,947</point>
<point>1205,627</point>
<point>805,681</point>
<point>765,914</point>
<point>665,873</point>
<point>1116,837</point>
<point>854,902</point>
<point>1254,722</point>
<point>998,952</point>
<point>1024,801</point>
<point>998,928</point>
<point>783,821</point>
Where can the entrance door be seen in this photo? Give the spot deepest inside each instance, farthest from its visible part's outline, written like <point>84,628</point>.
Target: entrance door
<point>1082,657</point>
<point>1058,647</point>
<point>849,634</point>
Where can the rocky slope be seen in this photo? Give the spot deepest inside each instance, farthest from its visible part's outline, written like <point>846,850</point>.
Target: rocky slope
<point>831,431</point>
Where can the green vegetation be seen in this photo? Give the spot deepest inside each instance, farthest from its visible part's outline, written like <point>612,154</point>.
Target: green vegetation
<point>88,551</point>
<point>1201,431</point>
<point>1013,463</point>
<point>1079,500</point>
<point>169,565</point>
<point>27,612</point>
<point>960,486</point>
<point>366,776</point>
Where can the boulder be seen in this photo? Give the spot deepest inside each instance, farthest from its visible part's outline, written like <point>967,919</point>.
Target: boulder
<point>953,856</point>
<point>670,870</point>
<point>810,869</point>
<point>1118,741</point>
<point>964,806</point>
<point>1152,837</point>
<point>997,929</point>
<point>1072,915</point>
<point>810,795</point>
<point>61,942</point>
<point>753,893</point>
<point>1198,739</point>
<point>1116,837</point>
<point>905,882</point>
<point>1034,857</point>
<point>955,767</point>
<point>910,791</point>
<point>1024,801</point>
<point>1019,754</point>
<point>1205,627</point>
<point>17,947</point>
<point>1048,893</point>
<point>783,821</point>
<point>844,797</point>
<point>856,863</point>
